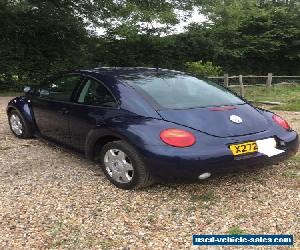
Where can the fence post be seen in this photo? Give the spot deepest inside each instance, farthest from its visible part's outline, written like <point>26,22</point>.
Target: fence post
<point>242,89</point>
<point>226,80</point>
<point>269,80</point>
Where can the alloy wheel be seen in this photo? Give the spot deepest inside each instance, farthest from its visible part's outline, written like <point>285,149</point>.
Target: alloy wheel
<point>16,124</point>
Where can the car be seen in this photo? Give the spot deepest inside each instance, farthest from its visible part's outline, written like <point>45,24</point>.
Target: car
<point>144,124</point>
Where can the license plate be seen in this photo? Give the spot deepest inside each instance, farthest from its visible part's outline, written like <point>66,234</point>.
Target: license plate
<point>243,148</point>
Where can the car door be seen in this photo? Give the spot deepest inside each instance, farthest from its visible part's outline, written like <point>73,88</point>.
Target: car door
<point>51,107</point>
<point>92,108</point>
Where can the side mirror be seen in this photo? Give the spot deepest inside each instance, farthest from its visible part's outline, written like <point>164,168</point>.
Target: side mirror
<point>28,90</point>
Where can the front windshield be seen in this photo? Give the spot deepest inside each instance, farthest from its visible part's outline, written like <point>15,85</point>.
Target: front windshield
<point>182,92</point>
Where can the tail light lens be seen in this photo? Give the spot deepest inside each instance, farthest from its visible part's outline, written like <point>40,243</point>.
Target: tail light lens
<point>281,122</point>
<point>177,137</point>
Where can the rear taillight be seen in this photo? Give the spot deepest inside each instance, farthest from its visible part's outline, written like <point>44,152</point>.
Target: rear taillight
<point>177,137</point>
<point>281,122</point>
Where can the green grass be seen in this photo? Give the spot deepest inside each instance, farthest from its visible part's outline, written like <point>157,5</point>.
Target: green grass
<point>241,216</point>
<point>8,94</point>
<point>209,196</point>
<point>291,174</point>
<point>64,235</point>
<point>296,158</point>
<point>235,231</point>
<point>288,95</point>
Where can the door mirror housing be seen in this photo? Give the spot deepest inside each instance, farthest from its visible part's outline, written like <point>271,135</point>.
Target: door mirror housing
<point>28,90</point>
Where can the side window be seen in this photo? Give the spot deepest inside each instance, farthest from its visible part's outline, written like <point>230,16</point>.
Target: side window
<point>60,89</point>
<point>94,93</point>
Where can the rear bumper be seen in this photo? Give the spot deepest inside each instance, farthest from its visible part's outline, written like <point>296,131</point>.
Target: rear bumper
<point>168,162</point>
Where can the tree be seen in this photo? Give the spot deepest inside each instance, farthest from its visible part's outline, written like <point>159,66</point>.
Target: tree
<point>38,38</point>
<point>203,69</point>
<point>253,36</point>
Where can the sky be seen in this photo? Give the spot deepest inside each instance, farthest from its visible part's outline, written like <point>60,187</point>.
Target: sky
<point>195,18</point>
<point>179,28</point>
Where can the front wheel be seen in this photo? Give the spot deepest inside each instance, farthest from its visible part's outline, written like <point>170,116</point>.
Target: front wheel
<point>124,167</point>
<point>18,125</point>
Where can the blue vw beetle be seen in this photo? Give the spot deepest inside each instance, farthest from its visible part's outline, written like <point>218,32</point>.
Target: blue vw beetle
<point>143,123</point>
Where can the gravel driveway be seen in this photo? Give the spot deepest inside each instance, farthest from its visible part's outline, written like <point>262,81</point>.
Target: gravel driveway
<point>55,199</point>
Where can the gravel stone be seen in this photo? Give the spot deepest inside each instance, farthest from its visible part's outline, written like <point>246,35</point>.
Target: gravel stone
<point>52,198</point>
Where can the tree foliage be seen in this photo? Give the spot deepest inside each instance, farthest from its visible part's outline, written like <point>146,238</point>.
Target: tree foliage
<point>203,68</point>
<point>255,36</point>
<point>39,37</point>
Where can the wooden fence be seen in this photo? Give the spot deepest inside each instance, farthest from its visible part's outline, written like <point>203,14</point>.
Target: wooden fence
<point>268,80</point>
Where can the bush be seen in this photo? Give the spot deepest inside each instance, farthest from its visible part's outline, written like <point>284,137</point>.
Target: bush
<point>200,68</point>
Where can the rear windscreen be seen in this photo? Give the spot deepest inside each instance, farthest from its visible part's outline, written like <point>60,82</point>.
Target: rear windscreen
<point>183,91</point>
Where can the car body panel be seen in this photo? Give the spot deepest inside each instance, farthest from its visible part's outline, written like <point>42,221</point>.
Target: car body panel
<point>139,123</point>
<point>212,154</point>
<point>218,123</point>
<point>83,119</point>
<point>23,105</point>
<point>51,120</point>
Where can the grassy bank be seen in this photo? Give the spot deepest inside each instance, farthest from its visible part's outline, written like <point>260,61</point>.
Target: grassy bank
<point>5,94</point>
<point>288,95</point>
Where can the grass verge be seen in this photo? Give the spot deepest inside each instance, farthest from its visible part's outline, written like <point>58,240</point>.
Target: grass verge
<point>288,95</point>
<point>235,231</point>
<point>9,94</point>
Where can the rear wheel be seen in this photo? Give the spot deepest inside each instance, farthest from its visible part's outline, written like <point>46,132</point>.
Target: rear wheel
<point>124,167</point>
<point>18,125</point>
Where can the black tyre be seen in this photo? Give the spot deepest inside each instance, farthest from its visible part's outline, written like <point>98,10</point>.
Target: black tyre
<point>124,167</point>
<point>18,125</point>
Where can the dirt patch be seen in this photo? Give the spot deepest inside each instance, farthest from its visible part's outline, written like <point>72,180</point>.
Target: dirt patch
<point>51,198</point>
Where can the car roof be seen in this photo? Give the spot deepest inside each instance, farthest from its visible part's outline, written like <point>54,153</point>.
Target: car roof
<point>133,73</point>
